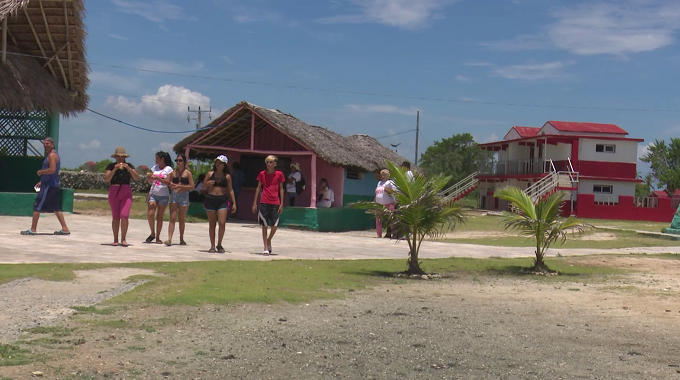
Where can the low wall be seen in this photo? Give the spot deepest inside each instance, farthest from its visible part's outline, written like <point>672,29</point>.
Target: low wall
<point>21,204</point>
<point>625,210</point>
<point>326,219</point>
<point>94,181</point>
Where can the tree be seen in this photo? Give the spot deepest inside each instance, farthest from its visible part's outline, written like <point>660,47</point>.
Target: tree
<point>664,161</point>
<point>422,212</point>
<point>539,220</point>
<point>456,156</point>
<point>645,188</point>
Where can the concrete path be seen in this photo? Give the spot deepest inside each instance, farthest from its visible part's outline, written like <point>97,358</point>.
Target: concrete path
<point>90,242</point>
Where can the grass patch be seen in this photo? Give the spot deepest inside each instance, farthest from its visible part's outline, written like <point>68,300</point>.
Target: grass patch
<point>116,324</point>
<point>137,348</point>
<point>622,239</point>
<point>227,282</point>
<point>13,355</point>
<point>47,272</point>
<point>94,310</point>
<point>57,332</point>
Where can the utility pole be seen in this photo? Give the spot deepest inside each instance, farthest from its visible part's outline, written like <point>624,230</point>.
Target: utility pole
<point>417,132</point>
<point>198,119</point>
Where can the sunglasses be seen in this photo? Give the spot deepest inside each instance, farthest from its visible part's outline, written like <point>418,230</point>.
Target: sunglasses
<point>179,160</point>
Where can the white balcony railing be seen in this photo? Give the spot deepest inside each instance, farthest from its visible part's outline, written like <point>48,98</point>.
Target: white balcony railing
<point>606,199</point>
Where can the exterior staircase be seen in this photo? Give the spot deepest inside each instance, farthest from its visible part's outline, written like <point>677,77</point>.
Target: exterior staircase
<point>462,188</point>
<point>555,181</point>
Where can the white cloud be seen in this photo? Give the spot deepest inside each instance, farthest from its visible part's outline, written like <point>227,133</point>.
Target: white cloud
<point>155,10</point>
<point>534,71</point>
<point>227,60</point>
<point>604,27</point>
<point>643,149</point>
<point>166,146</point>
<point>490,138</point>
<point>115,36</point>
<point>168,100</point>
<point>167,66</point>
<point>406,14</point>
<point>381,108</point>
<point>616,27</point>
<point>462,78</point>
<point>91,145</point>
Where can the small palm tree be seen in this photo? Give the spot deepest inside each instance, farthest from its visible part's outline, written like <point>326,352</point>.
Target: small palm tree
<point>539,220</point>
<point>422,211</point>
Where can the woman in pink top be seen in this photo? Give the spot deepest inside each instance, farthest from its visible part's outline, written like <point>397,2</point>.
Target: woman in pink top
<point>384,195</point>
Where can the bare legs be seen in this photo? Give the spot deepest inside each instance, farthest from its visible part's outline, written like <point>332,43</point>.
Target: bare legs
<point>216,218</point>
<point>268,240</point>
<point>122,225</point>
<point>176,210</point>
<point>157,211</point>
<point>60,217</point>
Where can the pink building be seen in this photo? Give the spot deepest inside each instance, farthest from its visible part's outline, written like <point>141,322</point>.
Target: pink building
<point>595,164</point>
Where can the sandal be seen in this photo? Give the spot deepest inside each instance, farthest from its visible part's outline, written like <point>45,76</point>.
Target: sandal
<point>212,250</point>
<point>159,241</point>
<point>115,244</point>
<point>265,252</point>
<point>270,249</point>
<point>124,244</point>
<point>28,232</point>
<point>150,238</point>
<point>62,232</point>
<point>220,249</point>
<point>182,242</point>
<point>168,243</point>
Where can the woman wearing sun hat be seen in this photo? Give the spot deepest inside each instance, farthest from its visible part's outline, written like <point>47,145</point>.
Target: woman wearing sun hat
<point>119,174</point>
<point>219,199</point>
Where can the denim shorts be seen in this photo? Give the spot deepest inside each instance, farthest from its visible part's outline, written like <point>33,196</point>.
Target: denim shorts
<point>160,199</point>
<point>182,199</point>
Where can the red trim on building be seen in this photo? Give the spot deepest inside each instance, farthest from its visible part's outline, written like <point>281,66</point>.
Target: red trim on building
<point>608,169</point>
<point>567,139</point>
<point>572,126</point>
<point>625,210</point>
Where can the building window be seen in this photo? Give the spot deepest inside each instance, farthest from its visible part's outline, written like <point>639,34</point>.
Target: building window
<point>602,189</point>
<point>354,173</point>
<point>376,175</point>
<point>605,148</point>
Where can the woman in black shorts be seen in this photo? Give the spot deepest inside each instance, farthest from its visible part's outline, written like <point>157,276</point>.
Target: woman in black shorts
<point>219,198</point>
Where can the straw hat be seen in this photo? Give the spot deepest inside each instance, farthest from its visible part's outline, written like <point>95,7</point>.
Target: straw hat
<point>295,165</point>
<point>120,151</point>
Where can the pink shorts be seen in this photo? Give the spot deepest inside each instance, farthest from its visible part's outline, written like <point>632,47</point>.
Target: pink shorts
<point>120,200</point>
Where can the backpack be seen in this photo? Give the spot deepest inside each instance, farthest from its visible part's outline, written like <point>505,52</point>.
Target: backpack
<point>300,185</point>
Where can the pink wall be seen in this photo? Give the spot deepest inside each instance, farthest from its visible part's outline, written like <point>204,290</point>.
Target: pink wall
<point>625,210</point>
<point>335,176</point>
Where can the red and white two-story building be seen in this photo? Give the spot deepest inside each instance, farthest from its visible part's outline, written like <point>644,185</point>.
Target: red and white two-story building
<point>596,164</point>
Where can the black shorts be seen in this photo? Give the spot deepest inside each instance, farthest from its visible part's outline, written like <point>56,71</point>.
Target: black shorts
<point>48,199</point>
<point>216,202</point>
<point>268,215</point>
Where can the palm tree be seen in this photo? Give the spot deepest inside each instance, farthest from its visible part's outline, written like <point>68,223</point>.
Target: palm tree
<point>539,220</point>
<point>422,211</point>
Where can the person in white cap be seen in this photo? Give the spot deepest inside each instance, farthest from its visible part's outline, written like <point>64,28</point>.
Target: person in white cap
<point>293,178</point>
<point>219,199</point>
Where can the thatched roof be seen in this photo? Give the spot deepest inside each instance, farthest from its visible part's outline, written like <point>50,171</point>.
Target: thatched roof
<point>45,68</point>
<point>360,151</point>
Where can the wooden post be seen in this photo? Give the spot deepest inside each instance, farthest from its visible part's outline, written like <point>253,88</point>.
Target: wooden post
<point>4,39</point>
<point>252,131</point>
<point>312,200</point>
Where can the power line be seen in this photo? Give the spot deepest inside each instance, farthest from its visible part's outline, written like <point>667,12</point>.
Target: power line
<point>395,134</point>
<point>158,131</point>
<point>395,96</point>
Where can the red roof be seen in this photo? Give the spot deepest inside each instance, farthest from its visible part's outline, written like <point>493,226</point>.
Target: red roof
<point>662,193</point>
<point>527,131</point>
<point>571,126</point>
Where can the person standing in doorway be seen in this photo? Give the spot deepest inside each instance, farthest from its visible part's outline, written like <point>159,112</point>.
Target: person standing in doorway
<point>48,199</point>
<point>270,182</point>
<point>294,177</point>
<point>238,178</point>
<point>119,174</point>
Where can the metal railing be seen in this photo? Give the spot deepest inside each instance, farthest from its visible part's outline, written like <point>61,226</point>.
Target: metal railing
<point>510,167</point>
<point>554,179</point>
<point>646,202</point>
<point>461,187</point>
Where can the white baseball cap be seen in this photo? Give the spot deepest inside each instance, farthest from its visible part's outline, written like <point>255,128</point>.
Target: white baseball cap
<point>222,158</point>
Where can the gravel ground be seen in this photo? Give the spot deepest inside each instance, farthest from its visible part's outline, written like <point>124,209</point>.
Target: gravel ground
<point>463,327</point>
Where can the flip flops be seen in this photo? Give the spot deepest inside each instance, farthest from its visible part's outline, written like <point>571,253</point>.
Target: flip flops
<point>265,252</point>
<point>270,249</point>
<point>220,249</point>
<point>151,238</point>
<point>28,232</point>
<point>62,232</point>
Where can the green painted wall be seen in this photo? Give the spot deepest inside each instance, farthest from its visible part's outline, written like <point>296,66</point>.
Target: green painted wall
<point>326,219</point>
<point>21,204</point>
<point>19,173</point>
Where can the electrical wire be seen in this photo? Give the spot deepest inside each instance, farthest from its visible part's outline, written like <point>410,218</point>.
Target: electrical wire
<point>375,94</point>
<point>395,134</point>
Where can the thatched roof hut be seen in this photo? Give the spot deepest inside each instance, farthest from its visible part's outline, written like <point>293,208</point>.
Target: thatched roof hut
<point>44,67</point>
<point>233,130</point>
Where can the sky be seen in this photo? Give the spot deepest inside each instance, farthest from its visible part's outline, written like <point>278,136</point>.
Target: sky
<point>368,66</point>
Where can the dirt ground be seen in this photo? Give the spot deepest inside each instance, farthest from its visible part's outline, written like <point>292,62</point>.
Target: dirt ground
<point>461,327</point>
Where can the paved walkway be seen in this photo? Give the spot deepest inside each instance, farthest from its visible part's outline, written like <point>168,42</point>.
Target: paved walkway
<point>91,238</point>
